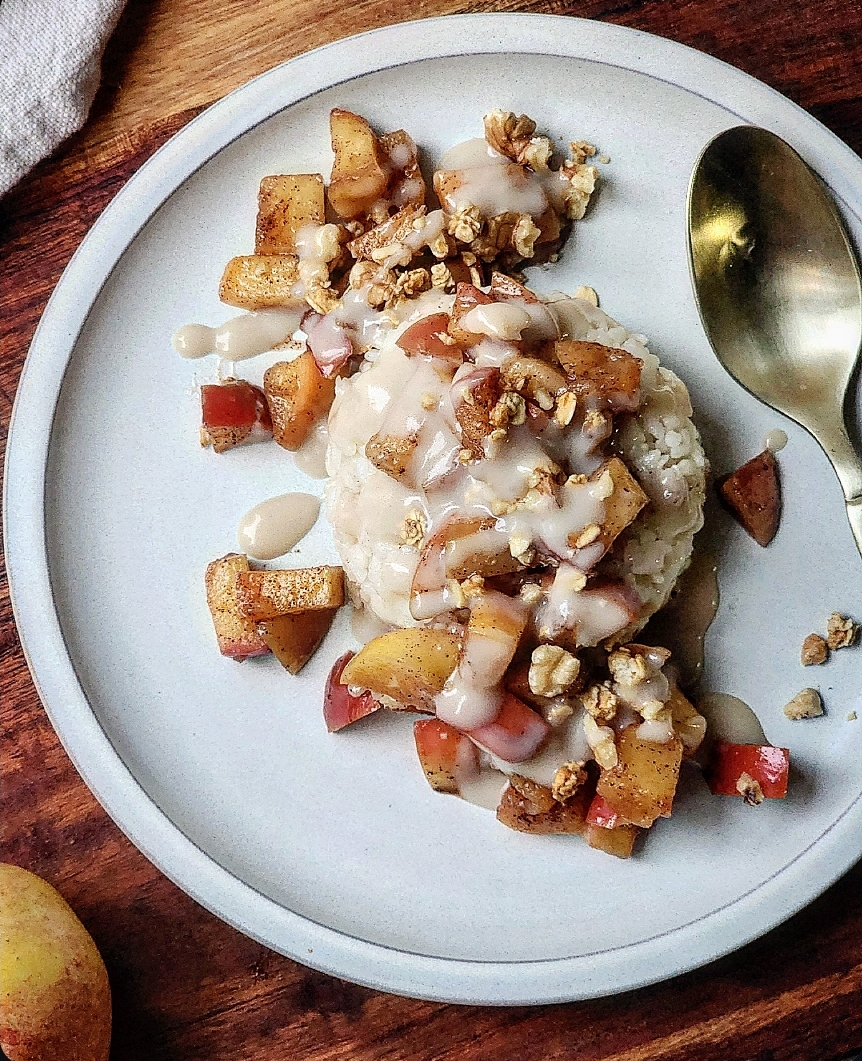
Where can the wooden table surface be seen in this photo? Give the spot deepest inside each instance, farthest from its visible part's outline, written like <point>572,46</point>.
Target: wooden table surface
<point>187,986</point>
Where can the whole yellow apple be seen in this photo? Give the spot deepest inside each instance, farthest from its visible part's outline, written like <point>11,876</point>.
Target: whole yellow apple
<point>55,1000</point>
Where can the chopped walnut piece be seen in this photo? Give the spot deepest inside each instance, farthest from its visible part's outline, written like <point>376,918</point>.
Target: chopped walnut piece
<point>814,650</point>
<point>841,631</point>
<point>749,789</point>
<point>628,667</point>
<point>412,282</point>
<point>806,704</point>
<point>567,780</point>
<point>322,298</point>
<point>466,224</point>
<point>581,150</point>
<point>552,670</point>
<point>524,236</point>
<point>531,593</point>
<point>600,702</point>
<point>513,136</point>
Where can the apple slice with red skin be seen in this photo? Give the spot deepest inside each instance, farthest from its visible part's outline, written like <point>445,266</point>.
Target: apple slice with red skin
<point>230,413</point>
<point>767,765</point>
<point>442,750</point>
<point>340,706</point>
<point>602,814</point>
<point>423,337</point>
<point>516,734</point>
<point>752,495</point>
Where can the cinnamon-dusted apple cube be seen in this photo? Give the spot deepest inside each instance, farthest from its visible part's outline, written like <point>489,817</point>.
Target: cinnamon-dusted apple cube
<point>618,841</point>
<point>410,665</point>
<point>622,505</point>
<point>601,374</point>
<point>287,203</point>
<point>641,787</point>
<point>444,752</point>
<point>360,170</point>
<point>406,184</point>
<point>474,398</point>
<point>237,635</point>
<point>264,595</point>
<point>232,413</point>
<point>260,281</point>
<point>389,236</point>
<point>752,494</point>
<point>530,808</point>
<point>293,639</point>
<point>392,454</point>
<point>505,289</point>
<point>430,336</point>
<point>298,395</point>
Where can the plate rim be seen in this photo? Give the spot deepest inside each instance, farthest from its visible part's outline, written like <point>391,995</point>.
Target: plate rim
<point>88,746</point>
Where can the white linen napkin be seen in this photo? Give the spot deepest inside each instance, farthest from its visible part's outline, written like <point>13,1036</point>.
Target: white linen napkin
<point>49,72</point>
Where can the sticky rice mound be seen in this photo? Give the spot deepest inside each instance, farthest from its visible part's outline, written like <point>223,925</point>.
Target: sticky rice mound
<point>372,514</point>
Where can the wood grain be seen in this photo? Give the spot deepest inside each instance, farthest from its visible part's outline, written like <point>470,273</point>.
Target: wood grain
<point>185,985</point>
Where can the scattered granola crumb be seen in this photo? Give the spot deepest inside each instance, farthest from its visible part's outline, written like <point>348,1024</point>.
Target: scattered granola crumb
<point>588,294</point>
<point>814,650</point>
<point>806,704</point>
<point>567,780</point>
<point>750,790</point>
<point>841,631</point>
<point>851,716</point>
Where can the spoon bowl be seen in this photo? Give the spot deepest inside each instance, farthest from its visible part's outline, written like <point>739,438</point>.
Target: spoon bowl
<point>778,287</point>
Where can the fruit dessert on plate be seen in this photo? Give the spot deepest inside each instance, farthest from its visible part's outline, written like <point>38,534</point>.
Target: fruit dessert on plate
<point>514,481</point>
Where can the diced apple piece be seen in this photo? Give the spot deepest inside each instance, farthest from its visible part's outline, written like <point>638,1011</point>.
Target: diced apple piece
<point>642,785</point>
<point>264,595</point>
<point>293,639</point>
<point>391,453</point>
<point>360,171</point>
<point>409,665</point>
<point>430,336</point>
<point>390,234</point>
<point>618,841</point>
<point>473,399</point>
<point>601,374</point>
<point>233,412</point>
<point>533,378</point>
<point>260,281</point>
<point>505,289</point>
<point>752,495</point>
<point>529,811</point>
<point>406,185</point>
<point>623,505</point>
<point>688,724</point>
<point>516,734</point>
<point>767,766</point>
<point>340,706</point>
<point>286,204</point>
<point>237,635</point>
<point>602,814</point>
<point>443,751</point>
<point>298,395</point>
<point>467,297</point>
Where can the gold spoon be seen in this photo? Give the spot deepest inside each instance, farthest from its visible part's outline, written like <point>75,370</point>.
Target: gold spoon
<point>778,287</point>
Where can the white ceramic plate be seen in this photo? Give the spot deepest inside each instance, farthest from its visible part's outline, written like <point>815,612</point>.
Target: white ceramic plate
<point>333,849</point>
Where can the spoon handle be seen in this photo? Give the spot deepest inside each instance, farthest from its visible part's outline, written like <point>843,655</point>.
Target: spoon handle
<point>848,466</point>
<point>854,513</point>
